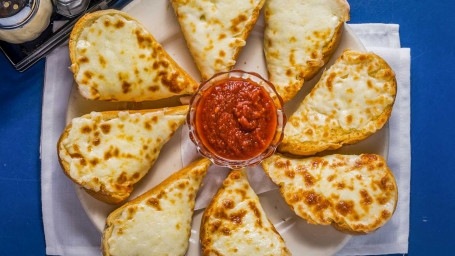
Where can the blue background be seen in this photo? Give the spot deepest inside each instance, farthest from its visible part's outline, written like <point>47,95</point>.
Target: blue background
<point>427,27</point>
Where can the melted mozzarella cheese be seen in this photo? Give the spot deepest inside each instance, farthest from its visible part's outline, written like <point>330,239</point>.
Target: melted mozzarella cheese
<point>350,97</point>
<point>296,36</point>
<point>215,30</point>
<point>235,223</point>
<point>118,59</point>
<point>160,223</point>
<point>354,190</point>
<point>118,152</point>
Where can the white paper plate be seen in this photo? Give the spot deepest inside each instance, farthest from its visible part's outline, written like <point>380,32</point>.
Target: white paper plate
<point>160,20</point>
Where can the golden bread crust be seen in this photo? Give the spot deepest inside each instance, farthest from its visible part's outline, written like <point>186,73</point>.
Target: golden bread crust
<point>235,49</point>
<point>175,88</point>
<point>103,194</point>
<point>298,71</point>
<point>305,136</point>
<point>234,221</point>
<point>202,163</point>
<point>355,194</point>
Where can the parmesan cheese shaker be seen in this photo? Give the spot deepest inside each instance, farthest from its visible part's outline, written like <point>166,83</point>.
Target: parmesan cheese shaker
<point>23,20</point>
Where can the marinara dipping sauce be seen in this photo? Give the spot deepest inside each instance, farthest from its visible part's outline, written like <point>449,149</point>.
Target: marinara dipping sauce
<point>236,118</point>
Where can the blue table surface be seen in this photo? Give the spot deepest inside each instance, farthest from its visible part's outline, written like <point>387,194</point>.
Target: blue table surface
<point>427,27</point>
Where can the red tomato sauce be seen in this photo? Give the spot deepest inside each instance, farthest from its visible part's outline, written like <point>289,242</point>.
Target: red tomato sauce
<point>236,119</point>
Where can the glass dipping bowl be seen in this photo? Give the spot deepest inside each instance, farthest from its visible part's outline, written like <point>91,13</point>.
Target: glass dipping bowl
<point>236,74</point>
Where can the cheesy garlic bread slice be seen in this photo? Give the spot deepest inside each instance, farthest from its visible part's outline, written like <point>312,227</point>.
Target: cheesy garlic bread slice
<point>300,37</point>
<point>355,193</point>
<point>115,58</point>
<point>216,31</point>
<point>107,152</point>
<point>234,222</point>
<point>352,100</point>
<point>159,221</point>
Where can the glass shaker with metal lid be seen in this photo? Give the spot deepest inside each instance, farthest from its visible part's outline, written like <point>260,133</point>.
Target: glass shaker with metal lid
<point>70,8</point>
<point>23,20</point>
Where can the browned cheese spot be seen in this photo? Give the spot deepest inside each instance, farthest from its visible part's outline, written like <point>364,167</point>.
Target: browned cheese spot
<point>170,82</point>
<point>289,73</point>
<point>126,87</point>
<point>385,214</point>
<point>256,212</point>
<point>88,74</point>
<point>82,162</point>
<point>119,24</point>
<point>237,217</point>
<point>227,204</point>
<point>153,88</point>
<point>144,41</point>
<point>331,177</point>
<point>94,161</point>
<point>136,176</point>
<point>236,21</point>
<point>309,179</point>
<point>214,226</point>
<point>225,231</point>
<point>107,23</point>
<point>349,119</point>
<point>105,128</point>
<point>122,178</point>
<point>330,81</point>
<point>102,61</point>
<point>222,53</point>
<point>345,207</point>
<point>155,203</point>
<point>83,60</point>
<point>222,35</point>
<point>369,84</point>
<point>86,129</point>
<point>289,173</point>
<point>147,126</point>
<point>366,199</point>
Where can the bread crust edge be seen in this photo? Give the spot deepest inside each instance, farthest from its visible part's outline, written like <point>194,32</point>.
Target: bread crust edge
<point>104,195</point>
<point>107,232</point>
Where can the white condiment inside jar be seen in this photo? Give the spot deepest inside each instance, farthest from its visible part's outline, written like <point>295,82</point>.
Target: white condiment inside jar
<point>23,20</point>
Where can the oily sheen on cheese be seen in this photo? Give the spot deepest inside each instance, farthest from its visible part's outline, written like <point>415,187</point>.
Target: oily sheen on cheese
<point>108,155</point>
<point>115,58</point>
<point>215,31</point>
<point>353,99</point>
<point>355,193</point>
<point>234,223</point>
<point>299,38</point>
<point>159,221</point>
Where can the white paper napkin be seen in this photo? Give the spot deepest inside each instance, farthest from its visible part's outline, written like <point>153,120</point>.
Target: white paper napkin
<point>68,231</point>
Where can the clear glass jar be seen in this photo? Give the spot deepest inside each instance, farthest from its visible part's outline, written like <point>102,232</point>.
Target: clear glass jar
<point>23,20</point>
<point>70,8</point>
<point>248,76</point>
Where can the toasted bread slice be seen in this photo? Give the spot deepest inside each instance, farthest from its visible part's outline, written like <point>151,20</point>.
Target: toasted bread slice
<point>108,152</point>
<point>115,58</point>
<point>234,222</point>
<point>216,31</point>
<point>353,99</point>
<point>159,221</point>
<point>357,194</point>
<point>299,38</point>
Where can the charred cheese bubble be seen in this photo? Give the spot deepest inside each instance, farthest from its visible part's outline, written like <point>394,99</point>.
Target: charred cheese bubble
<point>115,58</point>
<point>216,31</point>
<point>234,223</point>
<point>108,152</point>
<point>353,99</point>
<point>159,221</point>
<point>354,193</point>
<point>299,38</point>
